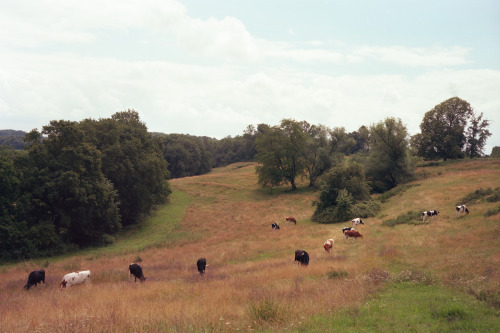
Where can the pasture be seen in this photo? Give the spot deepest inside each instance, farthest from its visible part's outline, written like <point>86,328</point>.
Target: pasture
<point>441,275</point>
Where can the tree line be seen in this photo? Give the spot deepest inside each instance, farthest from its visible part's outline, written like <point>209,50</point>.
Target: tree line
<point>77,184</point>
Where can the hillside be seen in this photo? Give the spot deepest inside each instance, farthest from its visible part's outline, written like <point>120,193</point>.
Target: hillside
<point>441,275</point>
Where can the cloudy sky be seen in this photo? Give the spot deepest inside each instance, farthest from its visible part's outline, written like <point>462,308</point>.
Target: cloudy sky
<point>211,68</point>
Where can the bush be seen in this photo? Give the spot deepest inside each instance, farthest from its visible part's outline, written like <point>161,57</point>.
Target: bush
<point>493,211</point>
<point>265,311</point>
<point>409,217</point>
<point>480,195</point>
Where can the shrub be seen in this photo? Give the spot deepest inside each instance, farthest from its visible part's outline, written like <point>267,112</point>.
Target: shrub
<point>493,211</point>
<point>265,311</point>
<point>336,274</point>
<point>395,191</point>
<point>481,194</point>
<point>409,217</point>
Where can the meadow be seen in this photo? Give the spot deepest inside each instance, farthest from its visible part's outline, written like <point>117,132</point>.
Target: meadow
<point>438,276</point>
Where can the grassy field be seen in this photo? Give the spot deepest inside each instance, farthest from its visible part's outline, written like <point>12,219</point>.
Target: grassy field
<point>438,276</point>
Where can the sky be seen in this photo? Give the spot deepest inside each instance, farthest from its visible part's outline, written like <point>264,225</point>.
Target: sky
<point>211,68</point>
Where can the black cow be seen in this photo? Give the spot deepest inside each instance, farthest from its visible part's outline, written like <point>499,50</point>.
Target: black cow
<point>201,264</point>
<point>136,271</point>
<point>35,278</point>
<point>302,257</point>
<point>275,226</point>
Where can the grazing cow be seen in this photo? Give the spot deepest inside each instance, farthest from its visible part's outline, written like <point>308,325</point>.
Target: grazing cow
<point>275,226</point>
<point>347,229</point>
<point>301,257</point>
<point>291,219</point>
<point>352,233</point>
<point>201,264</point>
<point>462,209</point>
<point>74,278</point>
<point>328,245</point>
<point>356,221</point>
<point>136,271</point>
<point>430,213</point>
<point>35,278</point>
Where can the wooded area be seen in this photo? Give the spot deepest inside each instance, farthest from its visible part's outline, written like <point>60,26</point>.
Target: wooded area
<point>77,184</point>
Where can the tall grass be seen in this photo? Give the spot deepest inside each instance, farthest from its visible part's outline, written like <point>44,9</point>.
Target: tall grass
<point>251,282</point>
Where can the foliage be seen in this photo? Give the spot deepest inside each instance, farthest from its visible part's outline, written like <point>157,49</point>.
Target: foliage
<point>133,161</point>
<point>280,151</point>
<point>443,130</point>
<point>344,195</point>
<point>389,159</point>
<point>398,190</point>
<point>186,155</point>
<point>266,311</point>
<point>493,211</point>
<point>488,194</point>
<point>410,217</point>
<point>477,134</point>
<point>495,152</point>
<point>337,274</point>
<point>12,138</point>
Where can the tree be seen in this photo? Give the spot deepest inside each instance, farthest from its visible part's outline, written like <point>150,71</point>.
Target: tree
<point>342,187</point>
<point>442,130</point>
<point>133,161</point>
<point>389,159</point>
<point>477,134</point>
<point>280,152</point>
<point>67,192</point>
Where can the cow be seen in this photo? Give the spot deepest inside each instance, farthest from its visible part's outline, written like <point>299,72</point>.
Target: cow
<point>356,221</point>
<point>35,278</point>
<point>74,278</point>
<point>352,233</point>
<point>462,209</point>
<point>201,264</point>
<point>328,245</point>
<point>301,257</point>
<point>291,219</point>
<point>346,229</point>
<point>275,226</point>
<point>136,271</point>
<point>430,213</point>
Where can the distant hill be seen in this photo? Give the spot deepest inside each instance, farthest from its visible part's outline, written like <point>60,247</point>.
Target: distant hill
<point>12,138</point>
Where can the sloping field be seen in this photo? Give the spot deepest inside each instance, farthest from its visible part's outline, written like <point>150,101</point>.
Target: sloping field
<point>443,275</point>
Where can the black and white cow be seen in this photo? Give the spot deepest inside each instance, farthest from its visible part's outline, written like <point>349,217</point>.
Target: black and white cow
<point>35,278</point>
<point>356,221</point>
<point>136,271</point>
<point>275,226</point>
<point>347,229</point>
<point>462,209</point>
<point>430,213</point>
<point>301,257</point>
<point>201,264</point>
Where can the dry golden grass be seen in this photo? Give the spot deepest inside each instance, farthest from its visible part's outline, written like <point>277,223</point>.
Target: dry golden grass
<point>251,279</point>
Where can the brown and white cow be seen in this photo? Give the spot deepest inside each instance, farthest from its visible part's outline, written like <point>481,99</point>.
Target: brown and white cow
<point>291,219</point>
<point>462,209</point>
<point>74,278</point>
<point>430,213</point>
<point>328,245</point>
<point>353,234</point>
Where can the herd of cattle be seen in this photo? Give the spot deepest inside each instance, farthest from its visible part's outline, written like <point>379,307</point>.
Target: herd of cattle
<point>301,256</point>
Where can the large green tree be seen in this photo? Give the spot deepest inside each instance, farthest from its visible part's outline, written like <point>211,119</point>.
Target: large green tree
<point>443,130</point>
<point>389,159</point>
<point>133,160</point>
<point>67,192</point>
<point>280,153</point>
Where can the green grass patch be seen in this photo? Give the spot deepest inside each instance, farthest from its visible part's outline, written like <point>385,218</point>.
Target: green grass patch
<point>398,190</point>
<point>337,274</point>
<point>493,211</point>
<point>406,307</point>
<point>410,217</point>
<point>488,194</point>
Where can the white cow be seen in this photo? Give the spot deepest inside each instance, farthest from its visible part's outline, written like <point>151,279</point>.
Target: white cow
<point>74,278</point>
<point>356,221</point>
<point>462,209</point>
